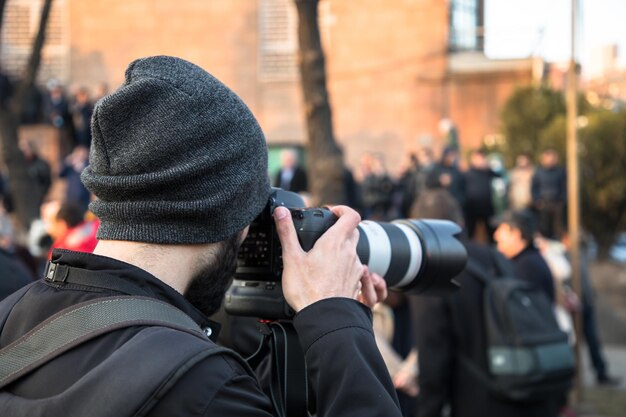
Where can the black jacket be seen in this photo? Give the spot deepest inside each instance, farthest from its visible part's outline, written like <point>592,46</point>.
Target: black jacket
<point>478,191</point>
<point>530,266</point>
<point>13,274</point>
<point>549,185</point>
<point>456,186</point>
<point>451,326</point>
<point>298,183</point>
<point>344,366</point>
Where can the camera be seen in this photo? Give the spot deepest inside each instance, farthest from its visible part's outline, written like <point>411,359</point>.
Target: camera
<point>415,256</point>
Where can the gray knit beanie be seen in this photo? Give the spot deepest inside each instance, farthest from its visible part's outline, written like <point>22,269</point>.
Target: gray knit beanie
<point>176,157</point>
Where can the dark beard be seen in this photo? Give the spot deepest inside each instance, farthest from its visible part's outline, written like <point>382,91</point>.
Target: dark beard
<point>209,284</point>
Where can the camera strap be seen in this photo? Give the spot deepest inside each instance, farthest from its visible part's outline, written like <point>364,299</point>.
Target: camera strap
<point>288,381</point>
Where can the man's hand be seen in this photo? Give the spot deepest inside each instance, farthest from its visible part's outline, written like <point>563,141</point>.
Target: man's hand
<point>373,289</point>
<point>331,268</point>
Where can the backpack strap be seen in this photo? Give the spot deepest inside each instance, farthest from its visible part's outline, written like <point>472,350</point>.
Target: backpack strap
<point>478,271</point>
<point>82,322</point>
<point>503,268</point>
<point>478,373</point>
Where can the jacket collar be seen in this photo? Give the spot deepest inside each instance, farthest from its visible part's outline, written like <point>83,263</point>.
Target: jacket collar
<point>137,276</point>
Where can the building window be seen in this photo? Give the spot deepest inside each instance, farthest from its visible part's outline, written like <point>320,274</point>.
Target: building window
<point>466,19</point>
<point>20,26</point>
<point>278,41</point>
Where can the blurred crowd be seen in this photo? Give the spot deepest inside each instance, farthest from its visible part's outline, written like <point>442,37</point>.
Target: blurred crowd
<point>520,213</point>
<point>64,220</point>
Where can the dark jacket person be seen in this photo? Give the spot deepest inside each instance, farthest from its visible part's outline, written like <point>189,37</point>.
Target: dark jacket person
<point>453,326</point>
<point>515,240</point>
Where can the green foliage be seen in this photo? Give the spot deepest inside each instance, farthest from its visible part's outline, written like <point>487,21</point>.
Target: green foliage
<point>602,150</point>
<point>603,173</point>
<point>526,114</point>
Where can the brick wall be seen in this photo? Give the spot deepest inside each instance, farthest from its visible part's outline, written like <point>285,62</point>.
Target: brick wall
<point>387,63</point>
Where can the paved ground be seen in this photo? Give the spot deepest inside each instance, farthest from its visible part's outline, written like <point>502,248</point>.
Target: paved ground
<point>610,283</point>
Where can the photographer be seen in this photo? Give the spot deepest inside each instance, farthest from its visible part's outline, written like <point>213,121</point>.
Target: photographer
<point>179,168</point>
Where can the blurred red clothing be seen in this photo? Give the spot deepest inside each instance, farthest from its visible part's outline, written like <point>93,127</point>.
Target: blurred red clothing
<point>81,238</point>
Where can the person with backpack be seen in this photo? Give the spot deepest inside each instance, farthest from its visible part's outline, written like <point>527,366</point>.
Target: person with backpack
<point>515,239</point>
<point>453,338</point>
<point>179,167</point>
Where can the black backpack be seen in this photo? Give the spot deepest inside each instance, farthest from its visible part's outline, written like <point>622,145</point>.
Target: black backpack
<point>529,357</point>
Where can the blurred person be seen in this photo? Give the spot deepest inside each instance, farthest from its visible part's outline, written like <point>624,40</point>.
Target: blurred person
<point>65,223</point>
<point>447,174</point>
<point>70,170</point>
<point>549,193</point>
<point>451,329</point>
<point>515,239</point>
<point>520,185</point>
<point>57,112</point>
<point>499,184</point>
<point>14,248</point>
<point>376,187</point>
<point>38,170</point>
<point>426,163</point>
<point>395,340</point>
<point>567,302</point>
<point>589,322</point>
<point>405,191</point>
<point>354,196</point>
<point>6,89</point>
<point>420,181</point>
<point>101,91</point>
<point>14,274</point>
<point>33,107</point>
<point>4,192</point>
<point>179,168</point>
<point>291,176</point>
<point>81,110</point>
<point>415,178</point>
<point>478,195</point>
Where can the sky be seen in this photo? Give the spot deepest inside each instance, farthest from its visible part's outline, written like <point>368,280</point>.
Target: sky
<point>517,29</point>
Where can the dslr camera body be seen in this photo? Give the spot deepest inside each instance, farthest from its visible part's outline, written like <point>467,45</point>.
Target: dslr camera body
<point>418,256</point>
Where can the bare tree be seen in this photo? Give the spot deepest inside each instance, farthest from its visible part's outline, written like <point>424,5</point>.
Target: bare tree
<point>325,159</point>
<point>20,183</point>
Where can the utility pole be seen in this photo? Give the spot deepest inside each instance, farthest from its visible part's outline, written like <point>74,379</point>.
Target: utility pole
<point>573,200</point>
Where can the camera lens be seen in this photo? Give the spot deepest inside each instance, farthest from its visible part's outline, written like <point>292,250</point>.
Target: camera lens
<point>414,256</point>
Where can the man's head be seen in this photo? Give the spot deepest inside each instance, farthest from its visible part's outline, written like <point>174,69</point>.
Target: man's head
<point>59,217</point>
<point>288,158</point>
<point>522,160</point>
<point>177,161</point>
<point>82,96</point>
<point>425,157</point>
<point>176,157</point>
<point>549,158</point>
<point>438,204</point>
<point>515,231</point>
<point>478,159</point>
<point>449,156</point>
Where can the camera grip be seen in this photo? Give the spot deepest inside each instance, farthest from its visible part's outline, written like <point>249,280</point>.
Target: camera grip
<point>311,224</point>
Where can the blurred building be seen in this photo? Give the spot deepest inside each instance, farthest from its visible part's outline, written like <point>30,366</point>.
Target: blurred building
<point>607,85</point>
<point>395,68</point>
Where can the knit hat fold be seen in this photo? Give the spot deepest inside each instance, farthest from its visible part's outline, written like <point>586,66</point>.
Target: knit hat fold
<point>176,157</point>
